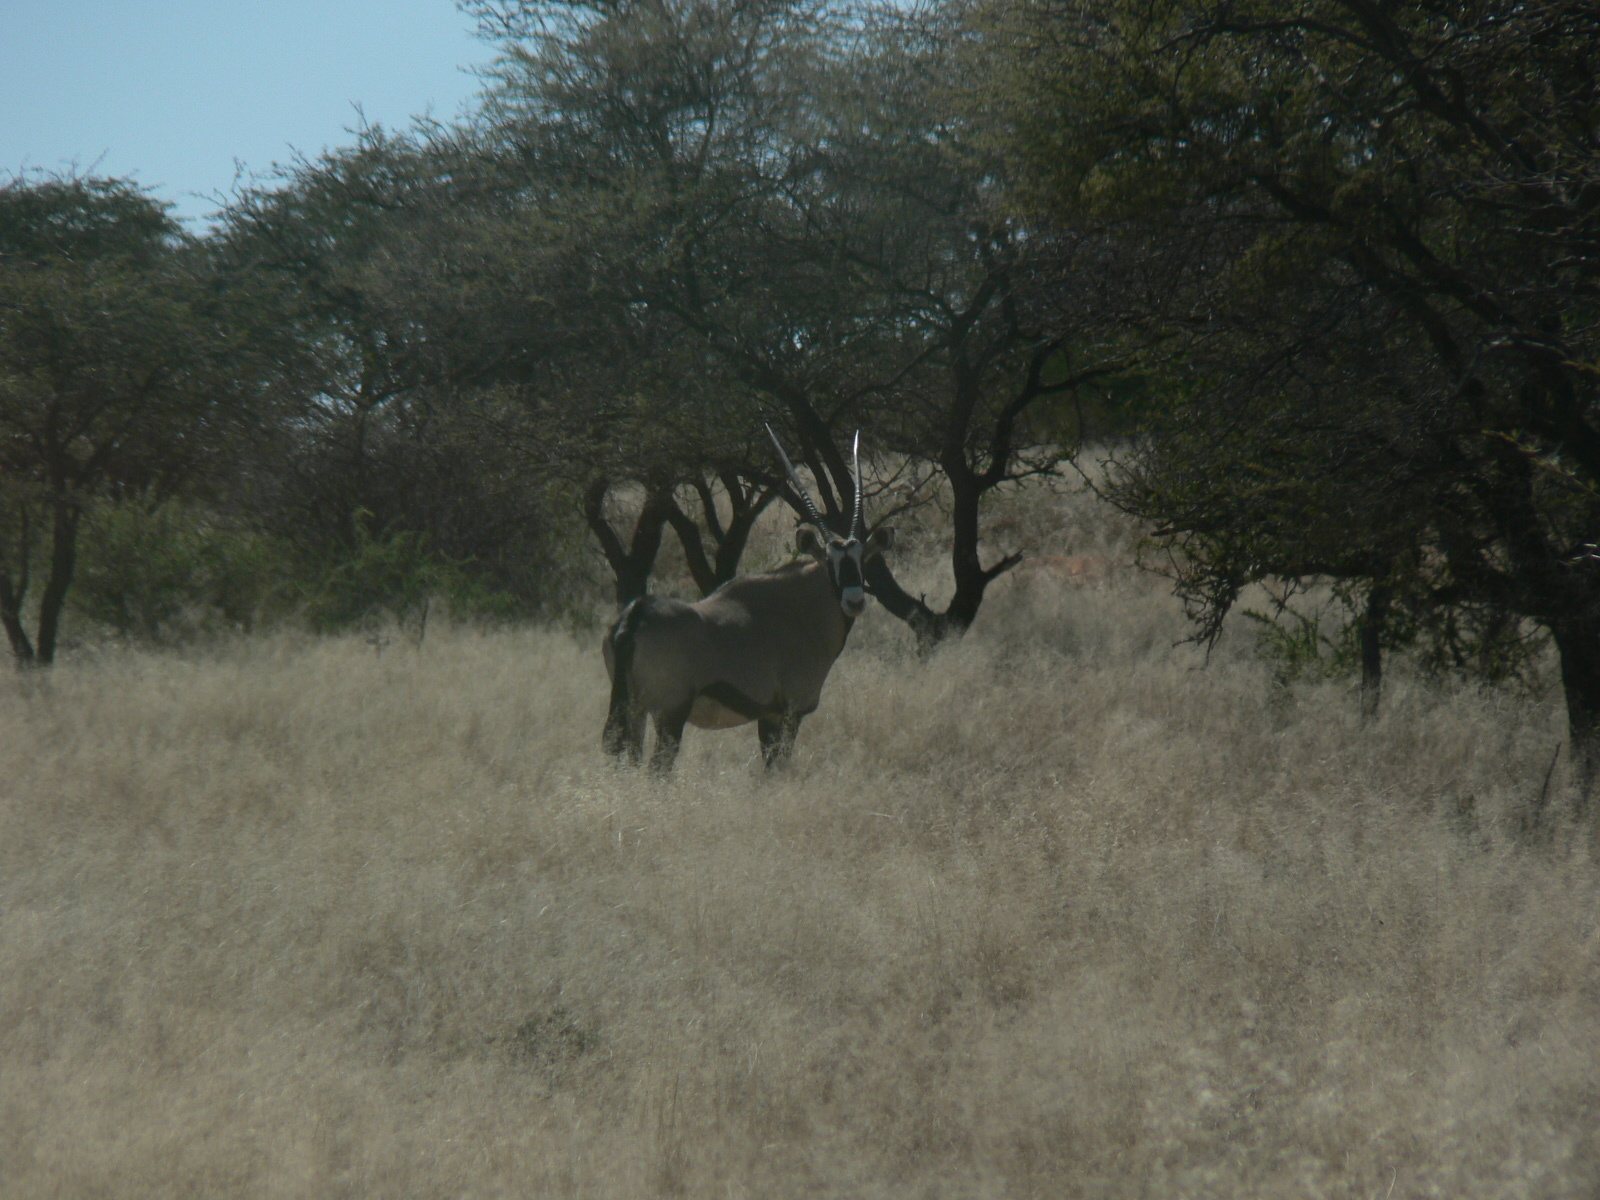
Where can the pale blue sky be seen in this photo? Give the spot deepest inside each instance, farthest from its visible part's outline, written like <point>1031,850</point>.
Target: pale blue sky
<point>171,92</point>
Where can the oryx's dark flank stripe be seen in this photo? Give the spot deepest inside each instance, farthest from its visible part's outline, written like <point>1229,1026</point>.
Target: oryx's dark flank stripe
<point>729,696</point>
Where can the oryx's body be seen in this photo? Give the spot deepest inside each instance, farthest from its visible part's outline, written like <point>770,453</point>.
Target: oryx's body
<point>759,648</point>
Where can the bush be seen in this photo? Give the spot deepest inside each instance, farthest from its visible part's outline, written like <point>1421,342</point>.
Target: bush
<point>394,572</point>
<point>171,572</point>
<point>167,572</point>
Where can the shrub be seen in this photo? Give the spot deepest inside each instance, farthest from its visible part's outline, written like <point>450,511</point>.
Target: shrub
<point>166,572</point>
<point>393,571</point>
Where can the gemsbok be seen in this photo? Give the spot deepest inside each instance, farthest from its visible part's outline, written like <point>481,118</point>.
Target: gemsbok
<point>757,649</point>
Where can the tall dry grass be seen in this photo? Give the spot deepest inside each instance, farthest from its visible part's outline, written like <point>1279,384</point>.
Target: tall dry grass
<point>1057,913</point>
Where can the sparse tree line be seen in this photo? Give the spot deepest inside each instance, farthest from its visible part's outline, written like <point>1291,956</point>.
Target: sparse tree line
<point>1325,270</point>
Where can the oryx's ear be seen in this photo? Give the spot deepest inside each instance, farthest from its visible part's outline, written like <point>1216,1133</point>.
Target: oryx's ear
<point>882,539</point>
<point>807,542</point>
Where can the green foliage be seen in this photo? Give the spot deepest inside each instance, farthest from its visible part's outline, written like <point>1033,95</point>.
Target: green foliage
<point>1485,643</point>
<point>57,221</point>
<point>131,364</point>
<point>1114,409</point>
<point>1322,641</point>
<point>162,573</point>
<point>174,571</point>
<point>1298,647</point>
<point>394,572</point>
<point>1367,248</point>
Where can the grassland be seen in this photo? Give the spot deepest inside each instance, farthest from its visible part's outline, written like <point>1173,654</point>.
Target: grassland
<point>1057,913</point>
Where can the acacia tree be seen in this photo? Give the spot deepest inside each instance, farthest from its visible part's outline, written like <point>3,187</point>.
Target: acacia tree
<point>127,364</point>
<point>327,238</point>
<point>967,298</point>
<point>620,141</point>
<point>783,195</point>
<point>1434,167</point>
<point>1297,481</point>
<point>383,258</point>
<point>606,402</point>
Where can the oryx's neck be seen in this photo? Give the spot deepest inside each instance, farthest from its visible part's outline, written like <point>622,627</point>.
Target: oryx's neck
<point>821,596</point>
<point>798,597</point>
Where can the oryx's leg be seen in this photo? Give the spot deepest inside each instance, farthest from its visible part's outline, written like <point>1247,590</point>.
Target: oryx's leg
<point>777,737</point>
<point>669,737</point>
<point>635,735</point>
<point>624,737</point>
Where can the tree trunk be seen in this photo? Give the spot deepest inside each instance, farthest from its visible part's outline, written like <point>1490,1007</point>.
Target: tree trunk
<point>1372,623</point>
<point>694,549</point>
<point>964,564</point>
<point>972,578</point>
<point>13,592</point>
<point>730,549</point>
<point>1578,644</point>
<point>926,624</point>
<point>11,617</point>
<point>930,628</point>
<point>63,560</point>
<point>745,508</point>
<point>630,567</point>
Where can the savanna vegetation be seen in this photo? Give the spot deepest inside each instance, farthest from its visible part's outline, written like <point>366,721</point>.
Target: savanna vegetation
<point>1053,912</point>
<point>1207,811</point>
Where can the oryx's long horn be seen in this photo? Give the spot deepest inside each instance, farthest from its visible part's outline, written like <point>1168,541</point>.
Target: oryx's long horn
<point>812,514</point>
<point>855,468</point>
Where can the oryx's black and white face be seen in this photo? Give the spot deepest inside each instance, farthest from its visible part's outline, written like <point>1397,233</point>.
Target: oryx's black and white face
<point>843,556</point>
<point>845,559</point>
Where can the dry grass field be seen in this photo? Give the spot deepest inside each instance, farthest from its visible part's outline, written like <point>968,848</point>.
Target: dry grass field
<point>1058,913</point>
